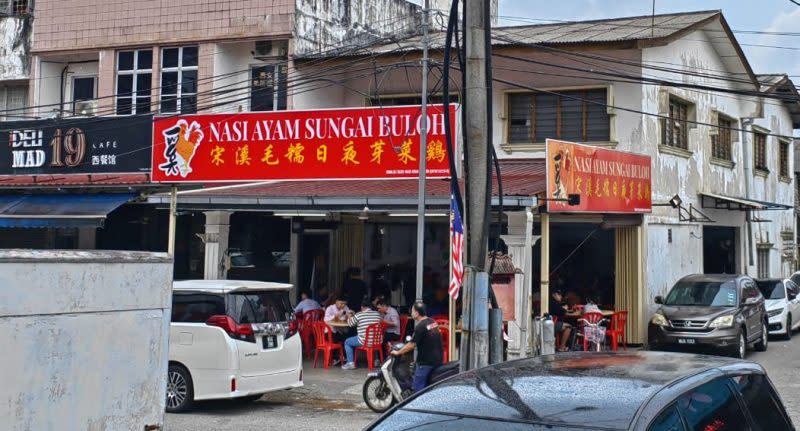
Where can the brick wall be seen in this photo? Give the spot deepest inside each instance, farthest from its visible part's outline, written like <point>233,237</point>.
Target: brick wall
<point>82,24</point>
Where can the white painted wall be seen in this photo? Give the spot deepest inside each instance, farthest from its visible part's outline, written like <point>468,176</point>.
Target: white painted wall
<point>86,339</point>
<point>48,84</point>
<point>232,62</point>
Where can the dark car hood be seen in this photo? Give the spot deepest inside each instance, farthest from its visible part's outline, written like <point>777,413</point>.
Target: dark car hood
<point>693,312</point>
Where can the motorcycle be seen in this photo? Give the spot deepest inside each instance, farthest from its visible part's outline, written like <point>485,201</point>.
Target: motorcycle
<point>394,382</point>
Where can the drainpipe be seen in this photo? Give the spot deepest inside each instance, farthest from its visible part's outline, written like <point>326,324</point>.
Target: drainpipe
<point>747,123</point>
<point>63,89</point>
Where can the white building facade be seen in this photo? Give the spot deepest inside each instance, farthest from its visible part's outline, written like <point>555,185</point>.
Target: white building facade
<point>674,87</point>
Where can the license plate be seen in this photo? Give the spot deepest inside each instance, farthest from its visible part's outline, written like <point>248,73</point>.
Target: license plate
<point>685,340</point>
<point>270,341</point>
<point>373,374</point>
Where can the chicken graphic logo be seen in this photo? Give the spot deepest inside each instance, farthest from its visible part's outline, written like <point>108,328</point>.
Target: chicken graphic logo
<point>562,166</point>
<point>181,142</point>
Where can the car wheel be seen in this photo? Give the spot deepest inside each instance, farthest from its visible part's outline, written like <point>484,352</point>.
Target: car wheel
<point>180,391</point>
<point>761,345</point>
<point>741,347</point>
<point>788,335</point>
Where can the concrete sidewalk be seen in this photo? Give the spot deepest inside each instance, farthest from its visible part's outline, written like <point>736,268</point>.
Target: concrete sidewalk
<point>331,389</point>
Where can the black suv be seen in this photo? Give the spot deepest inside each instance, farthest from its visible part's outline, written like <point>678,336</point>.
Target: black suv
<point>711,312</point>
<point>637,391</point>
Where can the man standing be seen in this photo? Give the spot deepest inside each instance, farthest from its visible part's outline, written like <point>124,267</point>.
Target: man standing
<point>428,342</point>
<point>306,303</point>
<point>363,319</point>
<point>354,287</point>
<point>392,319</point>
<point>337,312</point>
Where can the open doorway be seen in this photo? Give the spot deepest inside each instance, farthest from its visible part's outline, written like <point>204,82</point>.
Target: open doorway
<point>582,262</point>
<point>314,264</point>
<point>719,250</point>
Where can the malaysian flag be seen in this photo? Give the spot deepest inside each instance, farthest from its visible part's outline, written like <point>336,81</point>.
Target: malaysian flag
<point>456,249</point>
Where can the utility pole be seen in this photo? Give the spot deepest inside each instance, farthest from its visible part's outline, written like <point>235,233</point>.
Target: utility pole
<point>423,146</point>
<point>475,333</point>
<point>477,155</point>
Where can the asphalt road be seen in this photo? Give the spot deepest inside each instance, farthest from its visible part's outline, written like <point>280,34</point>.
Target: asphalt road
<point>783,368</point>
<point>283,411</point>
<point>316,407</point>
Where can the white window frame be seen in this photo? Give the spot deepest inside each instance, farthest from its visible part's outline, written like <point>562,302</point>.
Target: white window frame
<point>19,112</point>
<point>135,72</point>
<point>763,254</point>
<point>275,85</point>
<point>180,69</point>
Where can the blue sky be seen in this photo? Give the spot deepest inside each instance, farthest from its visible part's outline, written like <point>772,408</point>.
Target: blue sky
<point>761,15</point>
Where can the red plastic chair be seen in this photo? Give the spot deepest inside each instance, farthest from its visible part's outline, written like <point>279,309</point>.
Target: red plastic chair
<point>373,342</point>
<point>323,336</point>
<point>306,329</point>
<point>593,318</point>
<point>444,331</point>
<point>617,332</point>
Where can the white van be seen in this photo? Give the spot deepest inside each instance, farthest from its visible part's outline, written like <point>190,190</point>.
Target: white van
<point>231,339</point>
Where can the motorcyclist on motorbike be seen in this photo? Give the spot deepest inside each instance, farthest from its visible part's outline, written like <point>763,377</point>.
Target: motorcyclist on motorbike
<point>428,342</point>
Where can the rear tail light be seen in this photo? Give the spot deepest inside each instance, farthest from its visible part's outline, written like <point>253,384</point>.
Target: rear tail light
<point>291,328</point>
<point>234,330</point>
<point>233,384</point>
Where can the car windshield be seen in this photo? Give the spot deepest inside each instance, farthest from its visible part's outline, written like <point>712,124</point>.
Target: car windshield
<point>771,289</point>
<point>703,293</point>
<point>259,307</point>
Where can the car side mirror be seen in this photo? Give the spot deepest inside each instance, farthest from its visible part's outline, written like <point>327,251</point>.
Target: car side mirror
<point>792,297</point>
<point>659,299</point>
<point>750,301</point>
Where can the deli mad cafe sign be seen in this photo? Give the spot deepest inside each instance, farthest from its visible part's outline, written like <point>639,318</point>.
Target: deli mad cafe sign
<point>99,145</point>
<point>356,143</point>
<point>607,181</point>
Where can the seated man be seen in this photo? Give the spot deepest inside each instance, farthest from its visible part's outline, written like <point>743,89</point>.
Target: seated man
<point>392,319</point>
<point>367,316</point>
<point>306,303</point>
<point>338,312</point>
<point>559,310</point>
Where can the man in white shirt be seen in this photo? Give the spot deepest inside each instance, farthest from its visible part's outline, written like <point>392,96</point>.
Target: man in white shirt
<point>306,303</point>
<point>392,319</point>
<point>338,312</point>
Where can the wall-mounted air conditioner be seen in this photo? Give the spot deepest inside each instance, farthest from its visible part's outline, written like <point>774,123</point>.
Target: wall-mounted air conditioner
<point>86,107</point>
<point>270,50</point>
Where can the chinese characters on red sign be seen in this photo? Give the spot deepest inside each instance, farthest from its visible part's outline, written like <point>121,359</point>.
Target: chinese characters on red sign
<point>607,181</point>
<point>357,143</point>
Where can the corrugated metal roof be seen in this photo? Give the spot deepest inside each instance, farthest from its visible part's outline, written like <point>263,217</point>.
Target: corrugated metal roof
<point>96,180</point>
<point>579,32</point>
<point>521,177</point>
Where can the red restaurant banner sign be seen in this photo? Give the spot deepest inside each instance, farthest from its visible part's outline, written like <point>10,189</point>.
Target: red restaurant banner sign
<point>351,143</point>
<point>607,181</point>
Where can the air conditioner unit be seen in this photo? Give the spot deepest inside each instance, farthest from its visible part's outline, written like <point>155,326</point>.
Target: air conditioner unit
<point>86,107</point>
<point>263,48</point>
<point>270,50</point>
